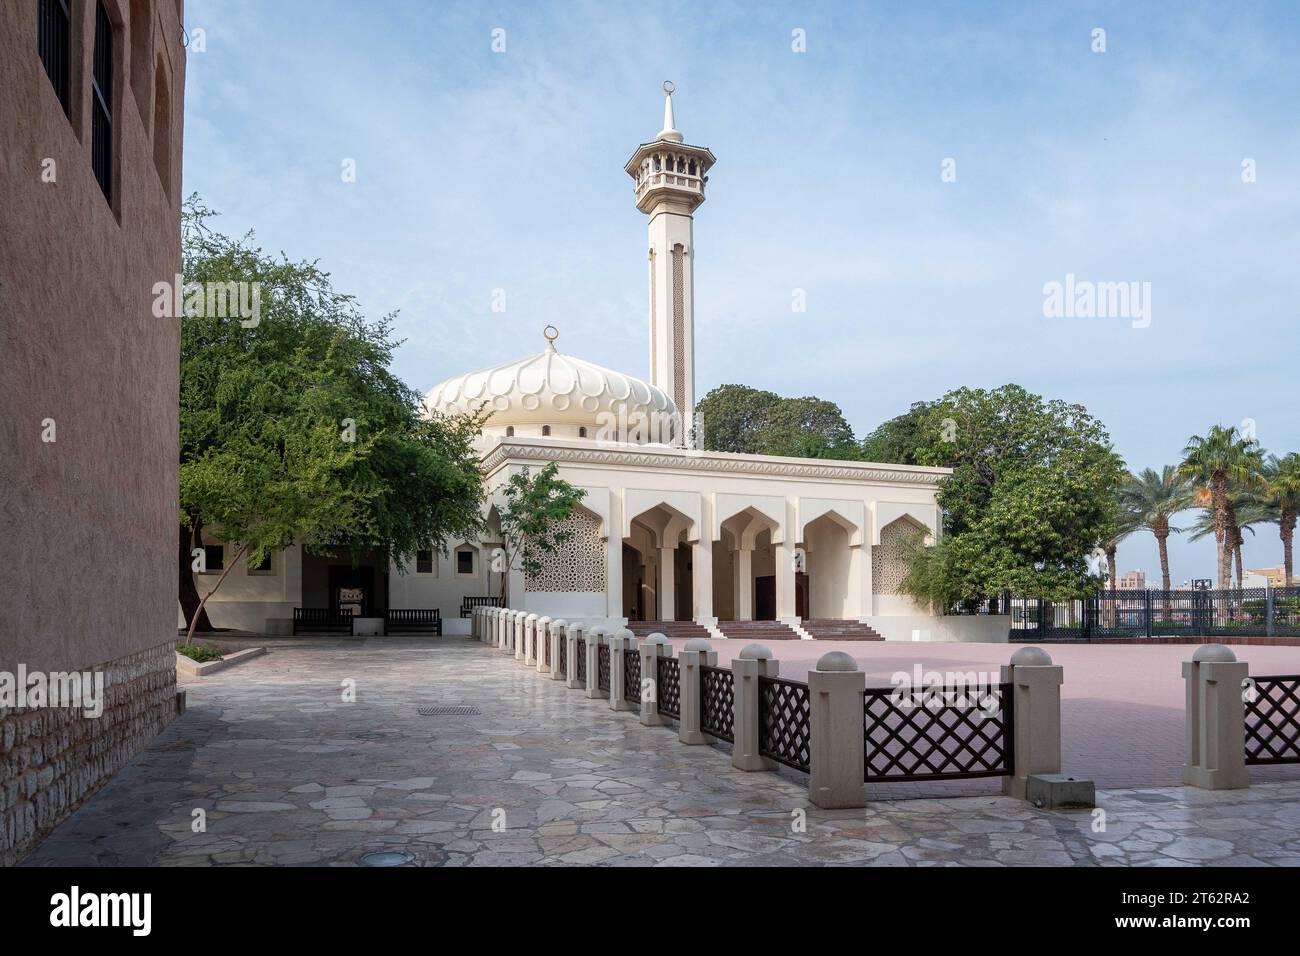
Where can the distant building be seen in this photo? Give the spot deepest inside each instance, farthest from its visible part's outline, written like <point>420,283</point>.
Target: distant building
<point>90,205</point>
<point>1133,581</point>
<point>1274,576</point>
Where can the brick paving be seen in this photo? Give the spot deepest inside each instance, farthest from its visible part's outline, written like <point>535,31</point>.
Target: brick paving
<point>286,772</point>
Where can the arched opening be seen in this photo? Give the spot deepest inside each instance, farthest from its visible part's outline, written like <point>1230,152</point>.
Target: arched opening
<point>744,564</point>
<point>657,556</point>
<point>828,568</point>
<point>888,561</point>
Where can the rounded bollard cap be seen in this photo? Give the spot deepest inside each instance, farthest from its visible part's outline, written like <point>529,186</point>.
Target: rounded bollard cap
<point>597,632</point>
<point>755,652</point>
<point>834,661</point>
<point>1031,657</point>
<point>1213,654</point>
<point>656,639</point>
<point>543,620</point>
<point>697,644</point>
<point>624,633</point>
<point>559,622</point>
<point>530,617</point>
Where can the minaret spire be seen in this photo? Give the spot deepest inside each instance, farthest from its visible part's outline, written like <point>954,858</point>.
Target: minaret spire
<point>670,175</point>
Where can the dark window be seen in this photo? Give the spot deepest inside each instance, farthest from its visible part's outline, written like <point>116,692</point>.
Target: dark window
<point>424,562</point>
<point>582,431</point>
<point>264,566</point>
<point>214,557</point>
<point>53,40</point>
<point>101,104</point>
<point>510,431</point>
<point>464,562</point>
<point>546,430</point>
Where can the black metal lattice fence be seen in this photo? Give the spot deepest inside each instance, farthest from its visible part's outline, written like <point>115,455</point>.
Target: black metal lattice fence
<point>668,687</point>
<point>580,665</point>
<point>632,675</point>
<point>784,722</point>
<point>717,702</point>
<point>938,733</point>
<point>562,665</point>
<point>602,667</point>
<point>1272,719</point>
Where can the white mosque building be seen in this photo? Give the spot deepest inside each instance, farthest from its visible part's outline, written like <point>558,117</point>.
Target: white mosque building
<point>668,537</point>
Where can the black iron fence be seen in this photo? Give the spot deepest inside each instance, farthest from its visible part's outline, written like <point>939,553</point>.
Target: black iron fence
<point>785,722</point>
<point>602,666</point>
<point>938,733</point>
<point>668,687</point>
<point>562,665</point>
<point>1238,612</point>
<point>717,702</point>
<point>632,675</point>
<point>1272,719</point>
<point>580,665</point>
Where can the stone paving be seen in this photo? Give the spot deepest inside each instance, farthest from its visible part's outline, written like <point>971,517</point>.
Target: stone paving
<point>286,772</point>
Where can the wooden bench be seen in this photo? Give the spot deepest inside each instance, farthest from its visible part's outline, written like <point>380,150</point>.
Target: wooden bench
<point>321,620</point>
<point>413,620</point>
<point>467,604</point>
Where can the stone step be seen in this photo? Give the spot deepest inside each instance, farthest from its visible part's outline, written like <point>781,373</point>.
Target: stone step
<point>757,631</point>
<point>833,629</point>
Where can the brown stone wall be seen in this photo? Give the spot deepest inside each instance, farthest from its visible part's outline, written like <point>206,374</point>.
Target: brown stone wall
<point>87,522</point>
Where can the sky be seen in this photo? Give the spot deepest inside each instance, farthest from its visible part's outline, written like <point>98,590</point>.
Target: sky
<point>920,171</point>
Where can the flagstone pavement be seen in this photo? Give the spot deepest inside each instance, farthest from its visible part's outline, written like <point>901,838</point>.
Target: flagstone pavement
<point>281,770</point>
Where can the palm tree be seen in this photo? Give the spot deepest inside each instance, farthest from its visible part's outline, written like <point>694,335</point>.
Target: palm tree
<point>1281,479</point>
<point>1124,523</point>
<point>1246,509</point>
<point>1153,499</point>
<point>1212,462</point>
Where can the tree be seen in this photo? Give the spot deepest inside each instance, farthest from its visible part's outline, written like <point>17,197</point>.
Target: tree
<point>1281,479</point>
<point>744,420</point>
<point>897,440</point>
<point>1031,494</point>
<point>1154,499</point>
<point>294,431</point>
<point>532,505</point>
<point>1212,462</point>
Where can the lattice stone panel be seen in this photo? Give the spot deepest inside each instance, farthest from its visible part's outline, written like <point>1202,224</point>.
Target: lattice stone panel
<point>632,675</point>
<point>580,665</point>
<point>960,738</point>
<point>577,565</point>
<point>602,667</point>
<point>888,565</point>
<point>717,702</point>
<point>1273,720</point>
<point>669,687</point>
<point>563,663</point>
<point>784,722</point>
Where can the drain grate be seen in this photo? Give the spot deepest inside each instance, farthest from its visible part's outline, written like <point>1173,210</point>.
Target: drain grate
<point>449,710</point>
<point>387,858</point>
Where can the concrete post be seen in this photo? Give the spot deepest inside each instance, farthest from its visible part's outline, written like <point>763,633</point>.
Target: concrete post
<point>1216,719</point>
<point>525,652</point>
<point>1036,687</point>
<point>594,638</point>
<point>695,653</point>
<point>572,634</point>
<point>541,638</point>
<point>836,727</point>
<point>651,649</point>
<point>754,661</point>
<point>474,617</point>
<point>508,635</point>
<point>622,643</point>
<point>502,625</point>
<point>555,634</point>
<point>517,636</point>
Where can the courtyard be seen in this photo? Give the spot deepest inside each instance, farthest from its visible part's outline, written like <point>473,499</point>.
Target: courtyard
<point>280,769</point>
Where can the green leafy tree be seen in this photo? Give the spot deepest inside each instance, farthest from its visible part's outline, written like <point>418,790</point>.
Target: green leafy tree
<point>1154,499</point>
<point>531,507</point>
<point>744,420</point>
<point>293,429</point>
<point>1215,462</point>
<point>1281,478</point>
<point>1030,496</point>
<point>897,440</point>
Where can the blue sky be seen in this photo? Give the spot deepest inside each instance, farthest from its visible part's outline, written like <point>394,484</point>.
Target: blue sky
<point>479,171</point>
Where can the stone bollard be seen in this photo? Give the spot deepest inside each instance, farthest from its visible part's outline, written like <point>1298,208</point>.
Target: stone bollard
<point>754,661</point>
<point>507,631</point>
<point>651,649</point>
<point>541,642</point>
<point>556,637</point>
<point>501,628</point>
<point>516,647</point>
<point>622,643</point>
<point>1036,688</point>
<point>1216,719</point>
<point>525,653</point>
<point>836,727</point>
<point>594,638</point>
<point>573,633</point>
<point>474,623</point>
<point>695,653</point>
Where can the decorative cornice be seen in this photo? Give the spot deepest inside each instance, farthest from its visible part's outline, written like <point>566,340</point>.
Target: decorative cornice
<point>709,461</point>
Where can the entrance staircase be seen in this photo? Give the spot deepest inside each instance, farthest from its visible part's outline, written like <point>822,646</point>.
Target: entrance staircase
<point>832,629</point>
<point>673,630</point>
<point>759,631</point>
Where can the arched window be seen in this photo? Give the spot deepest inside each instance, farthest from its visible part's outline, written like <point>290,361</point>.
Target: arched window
<point>546,431</point>
<point>582,431</point>
<point>656,164</point>
<point>510,431</point>
<point>692,167</point>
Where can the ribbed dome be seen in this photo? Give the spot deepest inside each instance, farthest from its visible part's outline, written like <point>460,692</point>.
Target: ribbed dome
<point>553,388</point>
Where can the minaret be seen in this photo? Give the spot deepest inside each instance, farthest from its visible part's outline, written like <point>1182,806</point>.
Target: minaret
<point>670,177</point>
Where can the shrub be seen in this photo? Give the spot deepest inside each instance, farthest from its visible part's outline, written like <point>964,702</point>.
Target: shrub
<point>201,653</point>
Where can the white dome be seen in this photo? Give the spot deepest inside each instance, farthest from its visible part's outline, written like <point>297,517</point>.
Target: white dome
<point>551,388</point>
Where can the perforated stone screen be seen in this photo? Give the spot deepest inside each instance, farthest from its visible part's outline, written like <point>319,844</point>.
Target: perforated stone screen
<point>577,565</point>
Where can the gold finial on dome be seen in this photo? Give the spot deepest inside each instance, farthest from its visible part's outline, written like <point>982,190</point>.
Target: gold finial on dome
<point>551,333</point>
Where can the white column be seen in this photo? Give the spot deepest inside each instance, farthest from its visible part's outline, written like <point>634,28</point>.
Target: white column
<point>744,565</point>
<point>856,606</point>
<point>614,559</point>
<point>785,603</point>
<point>1036,683</point>
<point>542,632</point>
<point>621,643</point>
<point>572,634</point>
<point>754,661</point>
<point>667,593</point>
<point>702,580</point>
<point>556,635</point>
<point>1216,719</point>
<point>651,649</point>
